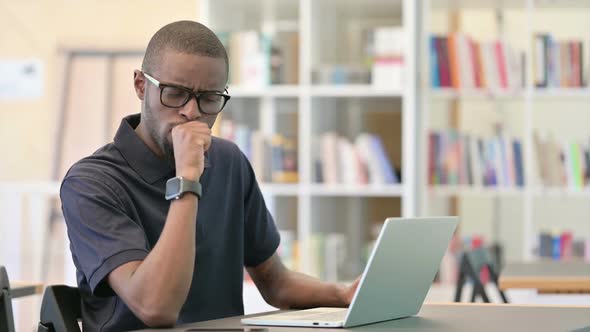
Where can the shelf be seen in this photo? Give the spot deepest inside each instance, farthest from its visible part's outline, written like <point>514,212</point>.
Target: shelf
<point>447,93</point>
<point>474,191</point>
<point>562,192</point>
<point>353,90</point>
<point>264,91</point>
<point>569,4</point>
<point>562,92</point>
<point>478,4</point>
<point>507,191</point>
<point>509,4</point>
<point>280,189</point>
<point>356,190</point>
<point>348,90</point>
<point>337,190</point>
<point>365,8</point>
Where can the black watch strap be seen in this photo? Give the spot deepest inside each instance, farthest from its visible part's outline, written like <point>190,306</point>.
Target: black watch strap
<point>178,186</point>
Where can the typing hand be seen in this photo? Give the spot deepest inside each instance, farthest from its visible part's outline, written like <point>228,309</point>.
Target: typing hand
<point>350,290</point>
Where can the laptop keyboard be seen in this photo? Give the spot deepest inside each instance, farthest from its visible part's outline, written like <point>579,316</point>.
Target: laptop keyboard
<point>316,315</point>
<point>328,316</point>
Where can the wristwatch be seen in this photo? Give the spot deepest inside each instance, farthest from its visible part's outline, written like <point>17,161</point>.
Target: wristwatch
<point>177,186</point>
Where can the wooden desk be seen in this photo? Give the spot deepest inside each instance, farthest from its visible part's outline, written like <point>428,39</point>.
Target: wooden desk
<point>20,289</point>
<point>452,317</point>
<point>547,277</point>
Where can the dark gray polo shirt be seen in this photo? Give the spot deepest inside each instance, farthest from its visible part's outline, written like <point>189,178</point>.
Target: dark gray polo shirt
<point>114,207</point>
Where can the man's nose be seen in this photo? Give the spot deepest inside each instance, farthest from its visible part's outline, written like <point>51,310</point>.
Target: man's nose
<point>191,110</point>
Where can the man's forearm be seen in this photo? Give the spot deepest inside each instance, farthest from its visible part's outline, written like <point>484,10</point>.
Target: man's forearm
<point>162,281</point>
<point>297,290</point>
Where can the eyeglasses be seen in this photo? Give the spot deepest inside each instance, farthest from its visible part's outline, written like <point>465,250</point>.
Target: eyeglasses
<point>209,102</point>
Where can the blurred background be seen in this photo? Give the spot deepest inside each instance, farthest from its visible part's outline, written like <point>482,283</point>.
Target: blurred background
<point>350,111</point>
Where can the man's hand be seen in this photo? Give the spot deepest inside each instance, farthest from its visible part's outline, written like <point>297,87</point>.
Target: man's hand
<point>286,289</point>
<point>190,141</point>
<point>348,291</point>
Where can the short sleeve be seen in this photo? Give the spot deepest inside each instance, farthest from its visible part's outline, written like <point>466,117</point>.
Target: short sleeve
<point>261,235</point>
<point>102,236</point>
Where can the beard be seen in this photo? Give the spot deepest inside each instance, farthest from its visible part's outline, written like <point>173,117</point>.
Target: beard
<point>165,145</point>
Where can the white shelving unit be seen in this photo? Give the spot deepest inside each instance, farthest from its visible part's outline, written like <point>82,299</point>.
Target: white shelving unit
<point>318,26</point>
<point>259,92</point>
<point>353,91</point>
<point>517,22</point>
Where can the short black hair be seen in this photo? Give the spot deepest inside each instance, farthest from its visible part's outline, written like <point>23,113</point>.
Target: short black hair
<point>185,37</point>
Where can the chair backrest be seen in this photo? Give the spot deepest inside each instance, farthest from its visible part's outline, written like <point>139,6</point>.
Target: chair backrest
<point>478,259</point>
<point>60,309</point>
<point>472,262</point>
<point>6,318</point>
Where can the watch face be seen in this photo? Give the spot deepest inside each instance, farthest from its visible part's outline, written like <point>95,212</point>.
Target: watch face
<point>172,187</point>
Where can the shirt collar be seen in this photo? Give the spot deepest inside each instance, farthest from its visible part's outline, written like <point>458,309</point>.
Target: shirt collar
<point>149,166</point>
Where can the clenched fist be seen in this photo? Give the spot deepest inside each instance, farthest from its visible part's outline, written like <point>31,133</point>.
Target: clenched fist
<point>190,141</point>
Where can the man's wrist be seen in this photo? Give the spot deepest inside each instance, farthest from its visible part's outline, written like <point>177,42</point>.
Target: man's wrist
<point>178,186</point>
<point>189,175</point>
<point>342,291</point>
<point>188,195</point>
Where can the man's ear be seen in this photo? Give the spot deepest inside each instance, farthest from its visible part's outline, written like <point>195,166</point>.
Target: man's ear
<point>139,84</point>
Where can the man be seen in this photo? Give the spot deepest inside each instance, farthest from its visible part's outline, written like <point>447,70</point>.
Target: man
<point>163,220</point>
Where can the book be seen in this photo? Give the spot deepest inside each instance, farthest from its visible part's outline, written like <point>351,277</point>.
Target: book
<point>256,59</point>
<point>387,66</point>
<point>558,63</point>
<point>434,66</point>
<point>459,159</point>
<point>460,62</point>
<point>564,164</point>
<point>272,157</point>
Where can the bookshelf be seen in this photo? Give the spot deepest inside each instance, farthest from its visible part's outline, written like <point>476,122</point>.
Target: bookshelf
<point>325,68</point>
<point>512,215</point>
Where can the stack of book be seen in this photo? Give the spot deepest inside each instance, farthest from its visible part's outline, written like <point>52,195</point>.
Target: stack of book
<point>381,63</point>
<point>558,63</point>
<point>273,158</point>
<point>562,164</point>
<point>365,161</point>
<point>459,62</point>
<point>564,246</point>
<point>456,159</point>
<point>341,74</point>
<point>387,57</point>
<point>257,59</point>
<point>328,256</point>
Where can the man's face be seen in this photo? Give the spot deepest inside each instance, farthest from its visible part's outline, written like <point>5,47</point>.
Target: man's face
<point>195,72</point>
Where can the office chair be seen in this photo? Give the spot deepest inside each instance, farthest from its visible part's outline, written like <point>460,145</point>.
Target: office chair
<point>6,316</point>
<point>60,310</point>
<point>472,262</point>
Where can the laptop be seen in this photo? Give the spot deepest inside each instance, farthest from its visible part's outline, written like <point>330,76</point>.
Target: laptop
<point>401,268</point>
